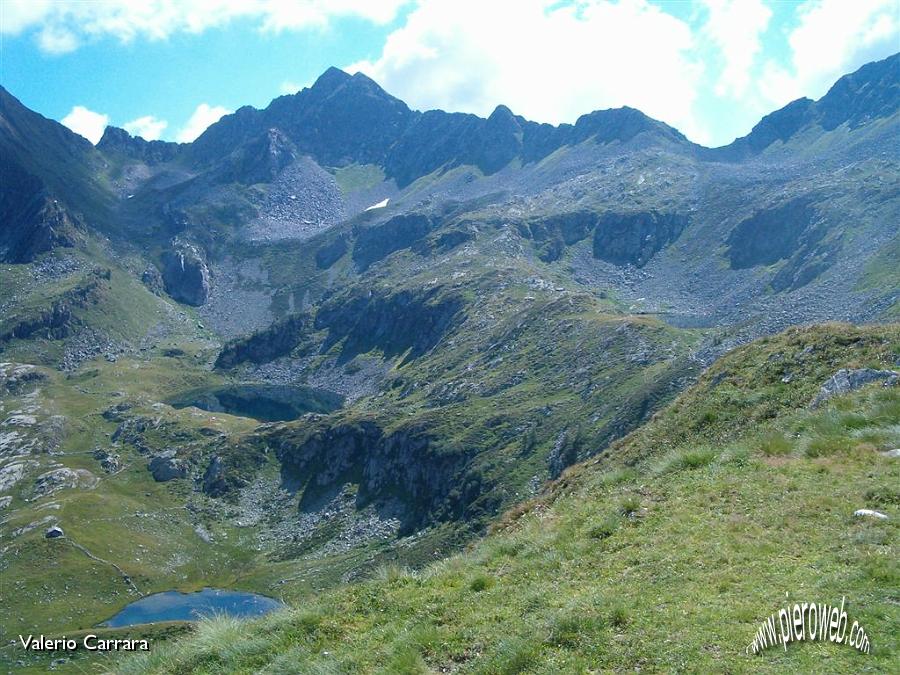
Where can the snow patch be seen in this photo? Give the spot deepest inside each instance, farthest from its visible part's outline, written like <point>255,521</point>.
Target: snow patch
<point>379,205</point>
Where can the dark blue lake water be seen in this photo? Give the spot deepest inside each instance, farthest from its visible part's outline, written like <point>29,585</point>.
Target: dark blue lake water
<point>265,402</point>
<point>176,606</point>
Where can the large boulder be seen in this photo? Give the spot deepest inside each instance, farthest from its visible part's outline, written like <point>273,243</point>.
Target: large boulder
<point>846,380</point>
<point>185,274</point>
<point>166,466</point>
<point>54,532</point>
<point>214,478</point>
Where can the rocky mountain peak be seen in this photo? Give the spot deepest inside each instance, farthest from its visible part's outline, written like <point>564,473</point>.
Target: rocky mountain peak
<point>622,124</point>
<point>118,141</point>
<point>330,80</point>
<point>870,93</point>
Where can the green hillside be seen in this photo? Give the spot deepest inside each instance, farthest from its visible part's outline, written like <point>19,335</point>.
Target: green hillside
<point>663,554</point>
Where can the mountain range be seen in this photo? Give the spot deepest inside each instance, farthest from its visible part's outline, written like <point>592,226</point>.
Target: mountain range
<point>336,332</point>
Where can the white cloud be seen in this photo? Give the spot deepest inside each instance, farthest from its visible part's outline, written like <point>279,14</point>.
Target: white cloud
<point>63,26</point>
<point>57,40</point>
<point>736,27</point>
<point>288,87</point>
<point>834,37</point>
<point>552,63</point>
<point>17,15</point>
<point>86,122</point>
<point>203,116</point>
<point>147,127</point>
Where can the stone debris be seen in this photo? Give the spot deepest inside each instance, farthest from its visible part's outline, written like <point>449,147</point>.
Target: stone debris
<point>109,462</point>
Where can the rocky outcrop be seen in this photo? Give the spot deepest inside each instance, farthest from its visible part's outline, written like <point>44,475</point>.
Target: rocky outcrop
<point>59,319</point>
<point>772,234</point>
<point>32,221</point>
<point>331,252</point>
<point>400,232</point>
<point>116,141</point>
<point>185,274</point>
<point>63,478</point>
<point>403,471</point>
<point>633,238</point>
<point>552,234</point>
<point>619,238</point>
<point>392,323</point>
<point>13,473</point>
<point>815,255</point>
<point>846,380</point>
<point>109,462</point>
<point>16,378</point>
<point>214,477</point>
<point>260,160</point>
<point>277,340</point>
<point>152,279</point>
<point>166,466</point>
<point>233,468</point>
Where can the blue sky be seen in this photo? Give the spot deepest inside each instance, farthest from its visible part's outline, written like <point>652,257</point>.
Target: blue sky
<point>167,69</point>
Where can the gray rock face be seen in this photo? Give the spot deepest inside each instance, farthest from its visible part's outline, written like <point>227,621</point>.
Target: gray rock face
<point>214,478</point>
<point>153,280</point>
<point>846,380</point>
<point>13,473</point>
<point>119,141</point>
<point>185,274</point>
<point>403,473</point>
<point>634,238</point>
<point>166,467</point>
<point>264,346</point>
<point>63,478</point>
<point>16,377</point>
<point>392,323</point>
<point>34,220</point>
<point>377,242</point>
<point>771,234</point>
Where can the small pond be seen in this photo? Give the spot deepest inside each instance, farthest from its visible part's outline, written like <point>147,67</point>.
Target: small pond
<point>176,606</point>
<point>264,402</point>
